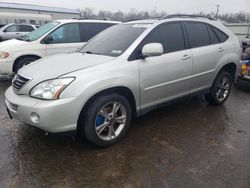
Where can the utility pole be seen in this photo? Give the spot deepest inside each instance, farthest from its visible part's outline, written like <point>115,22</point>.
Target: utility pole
<point>217,11</point>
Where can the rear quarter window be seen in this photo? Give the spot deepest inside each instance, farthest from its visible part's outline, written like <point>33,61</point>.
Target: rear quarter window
<point>221,35</point>
<point>213,37</point>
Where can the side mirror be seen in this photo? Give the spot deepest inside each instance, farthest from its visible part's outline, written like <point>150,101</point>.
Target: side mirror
<point>49,39</point>
<point>152,50</point>
<point>5,31</point>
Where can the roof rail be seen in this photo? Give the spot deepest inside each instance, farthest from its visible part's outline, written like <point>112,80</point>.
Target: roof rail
<point>185,16</point>
<point>86,18</point>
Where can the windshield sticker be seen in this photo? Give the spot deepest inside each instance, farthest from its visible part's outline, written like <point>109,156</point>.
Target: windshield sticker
<point>116,51</point>
<point>142,25</point>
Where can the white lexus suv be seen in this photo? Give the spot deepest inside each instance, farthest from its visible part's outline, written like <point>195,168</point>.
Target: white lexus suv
<point>126,71</point>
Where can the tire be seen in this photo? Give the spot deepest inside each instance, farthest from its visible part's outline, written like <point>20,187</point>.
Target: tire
<point>221,89</point>
<point>24,61</point>
<point>98,117</point>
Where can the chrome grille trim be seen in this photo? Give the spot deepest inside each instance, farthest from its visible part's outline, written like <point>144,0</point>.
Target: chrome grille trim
<point>19,82</point>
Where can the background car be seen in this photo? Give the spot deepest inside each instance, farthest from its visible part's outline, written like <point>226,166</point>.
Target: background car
<point>1,25</point>
<point>61,36</point>
<point>12,31</point>
<point>246,43</point>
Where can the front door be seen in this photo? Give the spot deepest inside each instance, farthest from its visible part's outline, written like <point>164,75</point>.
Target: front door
<point>64,39</point>
<point>165,77</point>
<point>11,32</point>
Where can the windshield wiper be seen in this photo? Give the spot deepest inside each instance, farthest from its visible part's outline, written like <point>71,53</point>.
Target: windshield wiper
<point>24,38</point>
<point>89,52</point>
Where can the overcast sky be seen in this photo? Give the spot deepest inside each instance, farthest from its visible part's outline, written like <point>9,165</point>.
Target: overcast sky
<point>170,6</point>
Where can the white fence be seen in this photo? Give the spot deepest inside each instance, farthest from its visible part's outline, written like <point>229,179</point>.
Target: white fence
<point>40,19</point>
<point>240,29</point>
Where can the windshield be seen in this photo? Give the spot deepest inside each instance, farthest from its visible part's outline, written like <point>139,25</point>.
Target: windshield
<point>40,31</point>
<point>115,40</point>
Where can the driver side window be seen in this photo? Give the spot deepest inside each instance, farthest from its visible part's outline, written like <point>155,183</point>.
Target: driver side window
<point>68,33</point>
<point>170,35</point>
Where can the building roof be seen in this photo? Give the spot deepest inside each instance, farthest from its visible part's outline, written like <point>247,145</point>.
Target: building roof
<point>38,8</point>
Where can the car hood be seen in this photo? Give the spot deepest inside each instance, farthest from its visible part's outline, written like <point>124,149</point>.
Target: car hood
<point>11,44</point>
<point>61,64</point>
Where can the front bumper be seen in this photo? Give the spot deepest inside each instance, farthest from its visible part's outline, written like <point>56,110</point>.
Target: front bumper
<point>55,116</point>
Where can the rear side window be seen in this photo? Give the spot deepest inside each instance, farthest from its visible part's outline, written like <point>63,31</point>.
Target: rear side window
<point>222,36</point>
<point>89,30</point>
<point>26,28</point>
<point>198,34</point>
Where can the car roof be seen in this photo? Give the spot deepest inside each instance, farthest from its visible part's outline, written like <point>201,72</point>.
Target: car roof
<point>87,21</point>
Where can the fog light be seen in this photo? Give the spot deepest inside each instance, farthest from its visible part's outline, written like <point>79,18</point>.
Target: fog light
<point>34,117</point>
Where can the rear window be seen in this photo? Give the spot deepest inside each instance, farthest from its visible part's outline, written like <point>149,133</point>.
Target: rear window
<point>198,34</point>
<point>89,30</point>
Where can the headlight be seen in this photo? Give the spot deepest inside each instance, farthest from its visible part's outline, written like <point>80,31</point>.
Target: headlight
<point>50,89</point>
<point>4,55</point>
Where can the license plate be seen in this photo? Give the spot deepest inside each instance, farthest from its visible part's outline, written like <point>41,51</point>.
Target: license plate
<point>9,113</point>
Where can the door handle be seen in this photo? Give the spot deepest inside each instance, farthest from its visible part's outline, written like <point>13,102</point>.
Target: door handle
<point>186,57</point>
<point>221,49</point>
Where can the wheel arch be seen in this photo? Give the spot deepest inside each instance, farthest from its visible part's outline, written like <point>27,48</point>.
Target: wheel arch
<point>22,57</point>
<point>229,67</point>
<point>120,90</point>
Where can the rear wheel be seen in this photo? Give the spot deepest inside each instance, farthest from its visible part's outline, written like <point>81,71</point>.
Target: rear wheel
<point>24,61</point>
<point>106,120</point>
<point>220,89</point>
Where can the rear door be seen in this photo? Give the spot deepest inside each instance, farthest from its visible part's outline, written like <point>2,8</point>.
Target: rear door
<point>165,77</point>
<point>206,50</point>
<point>65,38</point>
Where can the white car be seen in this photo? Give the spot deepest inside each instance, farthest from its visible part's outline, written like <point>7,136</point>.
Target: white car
<point>55,37</point>
<point>127,70</point>
<point>12,31</point>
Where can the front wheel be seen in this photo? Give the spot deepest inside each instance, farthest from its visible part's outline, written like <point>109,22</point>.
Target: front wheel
<point>106,120</point>
<point>220,89</point>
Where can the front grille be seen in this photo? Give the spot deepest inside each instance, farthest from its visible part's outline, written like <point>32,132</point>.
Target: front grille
<point>19,82</point>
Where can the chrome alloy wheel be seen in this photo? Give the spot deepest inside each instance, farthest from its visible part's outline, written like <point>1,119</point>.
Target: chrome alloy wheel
<point>110,121</point>
<point>223,89</point>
